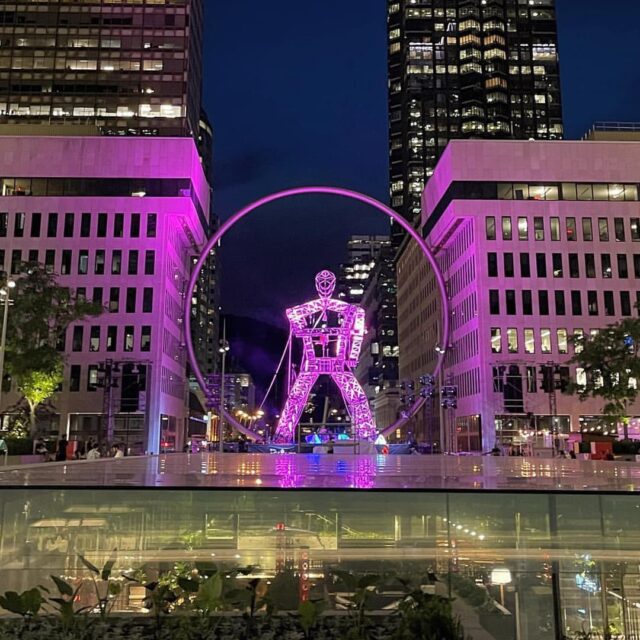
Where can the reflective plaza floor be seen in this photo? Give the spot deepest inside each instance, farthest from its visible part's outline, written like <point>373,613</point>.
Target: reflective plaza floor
<point>554,543</point>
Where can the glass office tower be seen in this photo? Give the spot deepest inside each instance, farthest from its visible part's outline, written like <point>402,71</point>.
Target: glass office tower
<point>126,67</point>
<point>466,69</point>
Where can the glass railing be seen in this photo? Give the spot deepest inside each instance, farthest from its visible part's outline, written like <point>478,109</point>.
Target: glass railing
<point>520,565</point>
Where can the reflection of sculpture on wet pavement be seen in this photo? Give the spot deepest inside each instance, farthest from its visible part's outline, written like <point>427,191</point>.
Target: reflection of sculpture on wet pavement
<point>332,332</point>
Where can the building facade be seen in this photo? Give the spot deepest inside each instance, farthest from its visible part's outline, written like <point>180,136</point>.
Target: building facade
<point>132,67</point>
<point>118,220</point>
<point>538,242</point>
<point>466,69</point>
<point>362,253</point>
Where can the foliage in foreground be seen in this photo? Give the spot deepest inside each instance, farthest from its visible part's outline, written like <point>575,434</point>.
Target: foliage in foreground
<point>211,604</point>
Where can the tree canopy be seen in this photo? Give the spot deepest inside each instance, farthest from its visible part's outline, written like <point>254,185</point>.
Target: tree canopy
<point>611,366</point>
<point>40,314</point>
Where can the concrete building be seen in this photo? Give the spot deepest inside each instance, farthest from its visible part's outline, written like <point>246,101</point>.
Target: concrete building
<point>119,220</point>
<point>538,242</point>
<point>614,132</point>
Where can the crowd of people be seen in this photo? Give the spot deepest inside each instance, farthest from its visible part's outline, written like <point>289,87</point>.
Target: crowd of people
<point>89,450</point>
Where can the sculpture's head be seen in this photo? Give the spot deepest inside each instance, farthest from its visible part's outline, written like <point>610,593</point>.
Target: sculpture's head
<point>325,283</point>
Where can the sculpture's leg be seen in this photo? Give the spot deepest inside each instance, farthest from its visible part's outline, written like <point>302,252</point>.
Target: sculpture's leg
<point>357,405</point>
<point>293,408</point>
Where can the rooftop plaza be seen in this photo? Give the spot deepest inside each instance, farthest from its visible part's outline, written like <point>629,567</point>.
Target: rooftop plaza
<point>554,544</point>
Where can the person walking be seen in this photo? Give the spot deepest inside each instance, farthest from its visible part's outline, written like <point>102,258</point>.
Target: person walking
<point>61,454</point>
<point>4,449</point>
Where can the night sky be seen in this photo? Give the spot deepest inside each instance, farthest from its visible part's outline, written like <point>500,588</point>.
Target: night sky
<point>296,92</point>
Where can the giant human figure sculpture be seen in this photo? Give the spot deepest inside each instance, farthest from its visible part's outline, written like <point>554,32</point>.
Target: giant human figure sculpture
<point>332,332</point>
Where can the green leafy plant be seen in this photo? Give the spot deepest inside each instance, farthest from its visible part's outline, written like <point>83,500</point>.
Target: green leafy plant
<point>160,598</point>
<point>63,603</point>
<point>309,613</point>
<point>426,616</point>
<point>359,597</point>
<point>250,597</point>
<point>26,604</point>
<point>42,311</point>
<point>611,365</point>
<point>105,588</point>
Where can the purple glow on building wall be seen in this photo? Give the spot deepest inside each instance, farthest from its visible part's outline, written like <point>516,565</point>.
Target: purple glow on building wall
<point>336,191</point>
<point>332,332</point>
<point>118,220</point>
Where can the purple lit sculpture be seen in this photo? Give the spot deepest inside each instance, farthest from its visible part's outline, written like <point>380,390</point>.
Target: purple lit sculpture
<point>332,332</point>
<point>334,191</point>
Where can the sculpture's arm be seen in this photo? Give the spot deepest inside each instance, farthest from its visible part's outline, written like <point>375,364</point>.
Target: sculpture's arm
<point>298,315</point>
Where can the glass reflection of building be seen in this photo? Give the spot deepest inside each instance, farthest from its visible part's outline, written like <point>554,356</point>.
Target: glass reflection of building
<point>126,68</point>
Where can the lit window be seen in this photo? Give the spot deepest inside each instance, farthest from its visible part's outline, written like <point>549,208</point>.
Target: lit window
<point>529,341</point>
<point>512,340</point>
<point>545,340</point>
<point>496,340</point>
<point>578,337</point>
<point>523,229</point>
<point>563,341</point>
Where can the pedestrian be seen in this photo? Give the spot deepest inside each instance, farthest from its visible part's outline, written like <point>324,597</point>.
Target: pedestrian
<point>330,445</point>
<point>41,450</point>
<point>61,453</point>
<point>93,453</point>
<point>117,451</point>
<point>81,452</point>
<point>572,454</point>
<point>4,449</point>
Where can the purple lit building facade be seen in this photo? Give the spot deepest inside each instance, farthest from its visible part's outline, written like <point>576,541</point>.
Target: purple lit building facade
<point>538,242</point>
<point>119,219</point>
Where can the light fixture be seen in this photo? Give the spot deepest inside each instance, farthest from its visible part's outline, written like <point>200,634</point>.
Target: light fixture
<point>500,576</point>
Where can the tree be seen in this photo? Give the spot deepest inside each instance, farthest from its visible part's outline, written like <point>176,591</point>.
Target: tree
<point>612,368</point>
<point>41,313</point>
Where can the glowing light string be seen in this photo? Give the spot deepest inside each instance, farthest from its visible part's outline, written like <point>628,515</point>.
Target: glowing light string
<point>348,336</point>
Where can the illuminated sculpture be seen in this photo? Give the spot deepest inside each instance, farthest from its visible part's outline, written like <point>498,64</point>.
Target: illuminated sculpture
<point>332,332</point>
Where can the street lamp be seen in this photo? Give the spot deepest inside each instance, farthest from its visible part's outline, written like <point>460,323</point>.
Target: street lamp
<point>10,284</point>
<point>224,347</point>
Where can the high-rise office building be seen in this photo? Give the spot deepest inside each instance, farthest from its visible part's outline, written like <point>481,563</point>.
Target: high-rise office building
<point>362,254</point>
<point>106,68</point>
<point>538,242</point>
<point>466,69</point>
<point>132,67</point>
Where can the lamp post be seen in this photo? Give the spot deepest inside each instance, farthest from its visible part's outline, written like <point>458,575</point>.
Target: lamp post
<point>224,347</point>
<point>10,284</point>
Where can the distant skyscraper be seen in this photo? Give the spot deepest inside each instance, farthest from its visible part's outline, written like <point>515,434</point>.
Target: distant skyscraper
<point>127,67</point>
<point>466,69</point>
<point>362,253</point>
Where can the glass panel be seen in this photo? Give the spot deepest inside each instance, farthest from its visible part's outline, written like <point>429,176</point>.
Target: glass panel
<point>496,340</point>
<point>523,229</point>
<point>529,341</point>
